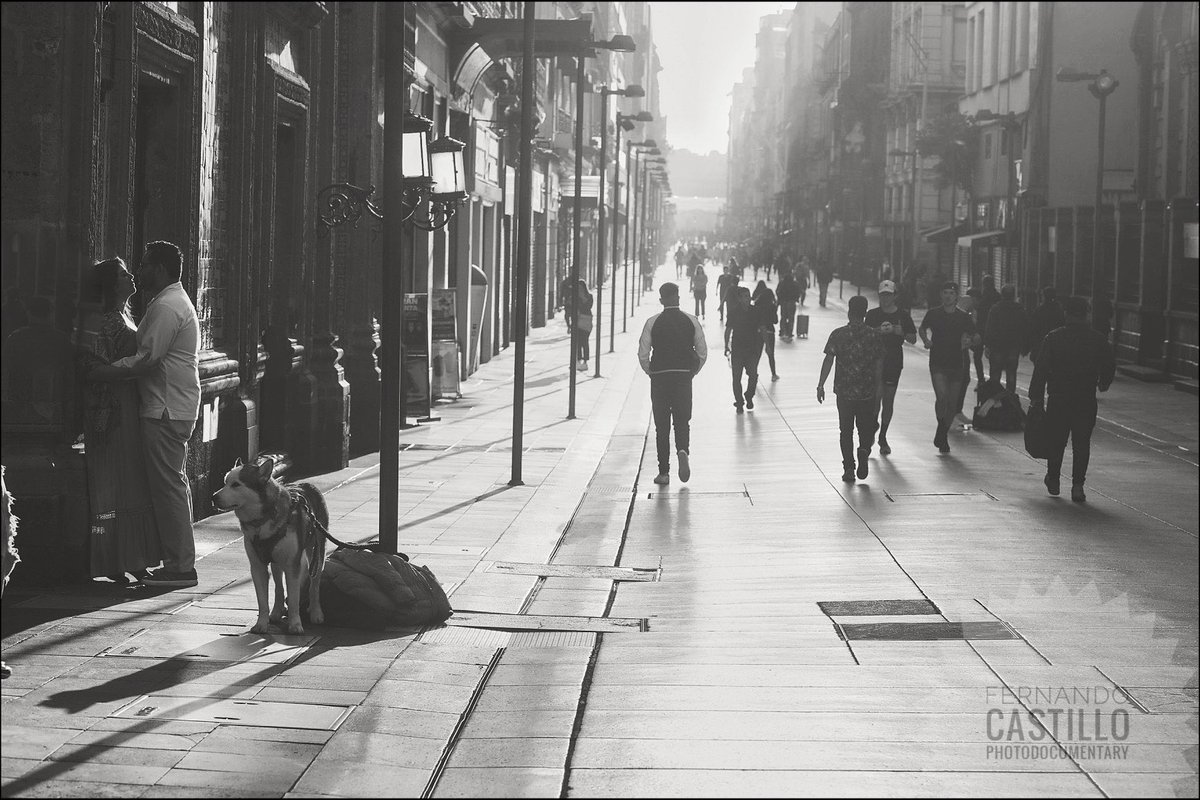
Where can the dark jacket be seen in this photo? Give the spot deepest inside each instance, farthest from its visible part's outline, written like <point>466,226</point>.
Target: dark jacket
<point>1074,361</point>
<point>788,290</point>
<point>1007,328</point>
<point>672,341</point>
<point>766,309</point>
<point>1046,318</point>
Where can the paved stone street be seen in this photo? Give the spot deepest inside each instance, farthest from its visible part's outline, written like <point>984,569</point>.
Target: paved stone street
<point>760,661</point>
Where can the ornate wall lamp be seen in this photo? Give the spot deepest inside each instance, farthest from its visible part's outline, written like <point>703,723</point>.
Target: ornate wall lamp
<point>433,177</point>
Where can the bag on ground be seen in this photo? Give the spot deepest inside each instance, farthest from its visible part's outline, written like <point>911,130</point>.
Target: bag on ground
<point>1037,440</point>
<point>802,326</point>
<point>364,589</point>
<point>1000,412</point>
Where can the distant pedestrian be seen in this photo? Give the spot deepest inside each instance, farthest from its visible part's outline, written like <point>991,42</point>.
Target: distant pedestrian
<point>699,286</point>
<point>1004,337</point>
<point>743,346</point>
<point>671,351</point>
<point>694,262</point>
<point>897,327</point>
<point>946,331</point>
<point>167,368</point>
<point>580,321</point>
<point>680,257</point>
<point>728,293</point>
<point>768,314</point>
<point>1074,361</point>
<point>802,281</point>
<point>788,292</point>
<point>782,265</point>
<point>824,276</point>
<point>1046,317</point>
<point>859,351</point>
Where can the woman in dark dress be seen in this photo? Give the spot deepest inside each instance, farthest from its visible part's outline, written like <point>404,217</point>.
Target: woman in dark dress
<point>124,536</point>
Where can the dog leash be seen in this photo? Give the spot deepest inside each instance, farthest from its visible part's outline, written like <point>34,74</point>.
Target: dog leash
<point>299,497</point>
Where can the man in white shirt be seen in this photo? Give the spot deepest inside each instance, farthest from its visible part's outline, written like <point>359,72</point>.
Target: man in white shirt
<point>167,369</point>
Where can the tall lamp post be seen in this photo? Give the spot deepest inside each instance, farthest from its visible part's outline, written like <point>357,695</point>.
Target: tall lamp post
<point>620,43</point>
<point>650,147</point>
<point>422,186</point>
<point>624,122</point>
<point>643,239</point>
<point>602,239</point>
<point>1101,86</point>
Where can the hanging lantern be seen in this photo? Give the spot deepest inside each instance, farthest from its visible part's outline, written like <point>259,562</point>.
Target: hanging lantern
<point>449,175</point>
<point>415,163</point>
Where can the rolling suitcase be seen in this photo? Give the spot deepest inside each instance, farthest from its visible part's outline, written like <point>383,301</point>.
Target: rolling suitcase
<point>802,326</point>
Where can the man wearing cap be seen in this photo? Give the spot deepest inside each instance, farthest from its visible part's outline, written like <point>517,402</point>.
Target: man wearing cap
<point>897,326</point>
<point>671,351</point>
<point>858,384</point>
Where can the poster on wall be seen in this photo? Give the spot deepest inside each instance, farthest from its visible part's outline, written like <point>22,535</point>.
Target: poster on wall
<point>415,341</point>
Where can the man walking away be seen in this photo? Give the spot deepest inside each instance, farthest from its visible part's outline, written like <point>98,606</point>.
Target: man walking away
<point>1075,360</point>
<point>1046,317</point>
<point>1004,337</point>
<point>680,255</point>
<point>167,368</point>
<point>824,276</point>
<point>953,332</point>
<point>671,351</point>
<point>724,280</point>
<point>896,325</point>
<point>858,384</point>
<point>743,346</point>
<point>788,292</point>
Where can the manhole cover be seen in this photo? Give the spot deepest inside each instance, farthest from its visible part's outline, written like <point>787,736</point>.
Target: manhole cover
<point>574,571</point>
<point>229,711</point>
<point>876,608</point>
<point>207,644</point>
<point>925,631</point>
<point>546,622</point>
<point>484,637</point>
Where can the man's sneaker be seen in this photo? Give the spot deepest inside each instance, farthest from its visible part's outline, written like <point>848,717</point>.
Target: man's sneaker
<point>662,479</point>
<point>863,453</point>
<point>848,475</point>
<point>885,449</point>
<point>174,580</point>
<point>749,402</point>
<point>1077,494</point>
<point>738,407</point>
<point>1051,482</point>
<point>685,468</point>
<point>774,377</point>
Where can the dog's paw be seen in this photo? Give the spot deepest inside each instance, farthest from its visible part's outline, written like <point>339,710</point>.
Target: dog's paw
<point>295,630</point>
<point>262,627</point>
<point>315,616</point>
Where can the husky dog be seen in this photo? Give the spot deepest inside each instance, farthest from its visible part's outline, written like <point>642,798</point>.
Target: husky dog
<point>278,529</point>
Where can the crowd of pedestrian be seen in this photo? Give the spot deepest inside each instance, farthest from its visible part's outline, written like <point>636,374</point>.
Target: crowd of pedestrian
<point>1072,358</point>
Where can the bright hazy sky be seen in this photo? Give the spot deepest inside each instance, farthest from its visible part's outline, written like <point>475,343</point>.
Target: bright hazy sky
<point>703,48</point>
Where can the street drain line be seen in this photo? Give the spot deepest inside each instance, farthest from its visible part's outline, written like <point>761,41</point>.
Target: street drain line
<point>451,743</point>
<point>831,485</point>
<point>586,685</point>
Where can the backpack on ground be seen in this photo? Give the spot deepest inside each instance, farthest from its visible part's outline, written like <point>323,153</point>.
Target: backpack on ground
<point>998,409</point>
<point>365,589</point>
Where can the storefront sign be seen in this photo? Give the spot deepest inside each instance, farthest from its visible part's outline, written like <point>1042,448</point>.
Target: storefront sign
<point>415,339</point>
<point>444,318</point>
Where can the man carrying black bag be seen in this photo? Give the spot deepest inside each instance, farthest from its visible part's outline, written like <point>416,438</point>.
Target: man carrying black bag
<point>1074,361</point>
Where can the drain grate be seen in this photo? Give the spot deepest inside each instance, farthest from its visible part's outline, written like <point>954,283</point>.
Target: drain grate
<point>259,713</point>
<point>876,608</point>
<point>941,496</point>
<point>547,622</point>
<point>484,637</point>
<point>207,644</point>
<point>925,631</point>
<point>574,571</point>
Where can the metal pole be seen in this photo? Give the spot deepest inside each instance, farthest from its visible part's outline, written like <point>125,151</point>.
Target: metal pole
<point>1096,217</point>
<point>578,229</point>
<point>612,295</point>
<point>629,221</point>
<point>524,224</point>
<point>602,237</point>
<point>641,241</point>
<point>392,309</point>
<point>631,250</point>
<point>917,177</point>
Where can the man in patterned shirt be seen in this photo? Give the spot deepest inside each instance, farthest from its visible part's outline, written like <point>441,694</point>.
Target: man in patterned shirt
<point>858,384</point>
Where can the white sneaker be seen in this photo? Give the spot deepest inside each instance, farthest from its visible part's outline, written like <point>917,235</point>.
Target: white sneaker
<point>685,469</point>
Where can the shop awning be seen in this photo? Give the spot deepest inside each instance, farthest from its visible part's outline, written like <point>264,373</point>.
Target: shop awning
<point>977,238</point>
<point>944,233</point>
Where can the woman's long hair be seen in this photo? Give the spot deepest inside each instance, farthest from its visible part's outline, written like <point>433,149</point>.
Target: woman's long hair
<point>102,287</point>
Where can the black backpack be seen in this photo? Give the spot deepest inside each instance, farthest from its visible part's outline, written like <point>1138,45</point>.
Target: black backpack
<point>998,409</point>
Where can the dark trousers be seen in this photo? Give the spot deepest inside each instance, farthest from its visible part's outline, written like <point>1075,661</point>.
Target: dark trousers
<point>769,346</point>
<point>582,344</point>
<point>861,414</point>
<point>787,317</point>
<point>947,389</point>
<point>1005,361</point>
<point>700,298</point>
<point>977,355</point>
<point>744,359</point>
<point>824,287</point>
<point>671,400</point>
<point>1071,416</point>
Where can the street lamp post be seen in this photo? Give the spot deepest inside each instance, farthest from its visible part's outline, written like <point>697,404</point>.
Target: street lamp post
<point>602,239</point>
<point>624,122</point>
<point>1101,85</point>
<point>413,180</point>
<point>650,146</point>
